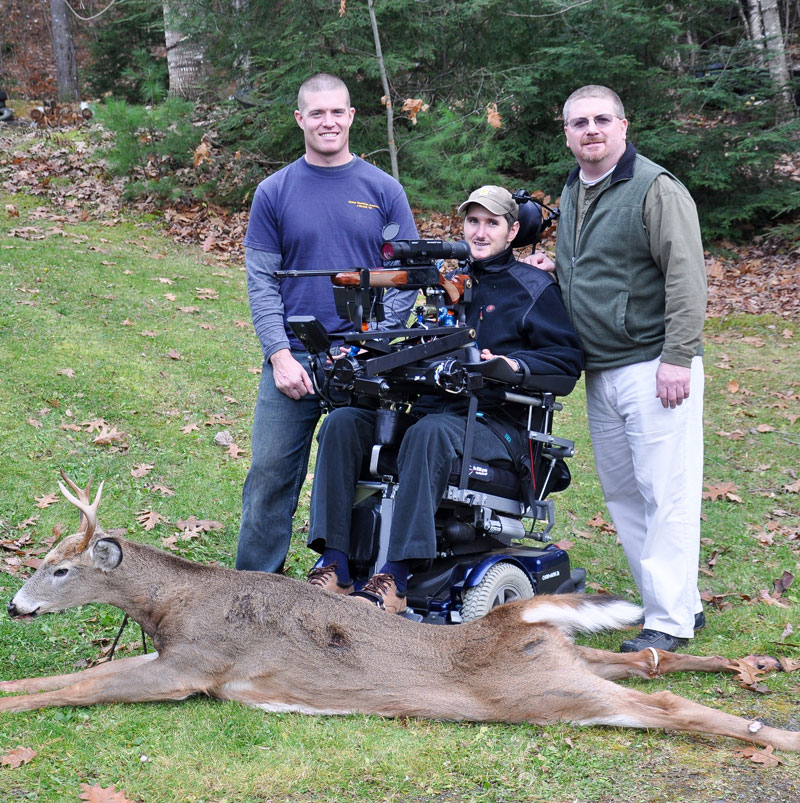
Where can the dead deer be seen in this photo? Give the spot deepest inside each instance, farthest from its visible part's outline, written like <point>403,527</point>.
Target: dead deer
<point>283,645</point>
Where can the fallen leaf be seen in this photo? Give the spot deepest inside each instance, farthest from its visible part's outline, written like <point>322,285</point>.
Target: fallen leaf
<point>759,756</point>
<point>747,675</point>
<point>170,542</point>
<point>46,500</point>
<point>204,525</point>
<point>782,584</point>
<point>234,451</point>
<point>95,425</point>
<point>174,355</point>
<point>601,524</point>
<point>723,490</point>
<point>66,372</point>
<point>149,519</point>
<point>98,794</point>
<point>789,664</point>
<point>206,293</point>
<point>16,757</point>
<point>792,487</point>
<point>142,470</point>
<point>190,428</point>
<point>107,436</point>
<point>202,153</point>
<point>733,386</point>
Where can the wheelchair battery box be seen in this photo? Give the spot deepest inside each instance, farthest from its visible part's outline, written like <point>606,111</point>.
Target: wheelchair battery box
<point>548,568</point>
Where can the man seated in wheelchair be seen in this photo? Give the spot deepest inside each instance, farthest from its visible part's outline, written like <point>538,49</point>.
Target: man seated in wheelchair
<point>518,316</point>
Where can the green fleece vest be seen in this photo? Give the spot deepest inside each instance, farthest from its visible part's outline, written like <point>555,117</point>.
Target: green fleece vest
<point>612,288</point>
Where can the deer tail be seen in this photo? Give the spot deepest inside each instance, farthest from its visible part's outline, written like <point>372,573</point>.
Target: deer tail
<point>581,613</point>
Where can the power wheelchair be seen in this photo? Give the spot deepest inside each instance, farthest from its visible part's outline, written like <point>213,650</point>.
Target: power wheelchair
<point>490,513</point>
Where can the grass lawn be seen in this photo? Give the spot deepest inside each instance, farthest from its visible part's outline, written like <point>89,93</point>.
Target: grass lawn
<point>123,356</point>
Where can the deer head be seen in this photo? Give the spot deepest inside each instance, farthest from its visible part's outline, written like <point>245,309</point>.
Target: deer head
<point>71,572</point>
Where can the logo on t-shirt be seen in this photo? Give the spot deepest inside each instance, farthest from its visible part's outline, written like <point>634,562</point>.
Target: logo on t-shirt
<point>364,205</point>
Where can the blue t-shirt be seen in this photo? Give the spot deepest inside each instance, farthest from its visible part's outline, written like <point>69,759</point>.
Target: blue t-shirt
<point>324,217</point>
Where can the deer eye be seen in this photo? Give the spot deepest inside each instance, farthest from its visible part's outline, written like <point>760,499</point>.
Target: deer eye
<point>60,572</point>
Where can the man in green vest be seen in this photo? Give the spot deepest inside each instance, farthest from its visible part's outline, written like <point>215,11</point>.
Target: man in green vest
<point>629,260</point>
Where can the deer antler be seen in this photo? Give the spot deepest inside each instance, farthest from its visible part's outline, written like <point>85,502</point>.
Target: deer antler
<point>88,510</point>
<point>82,494</point>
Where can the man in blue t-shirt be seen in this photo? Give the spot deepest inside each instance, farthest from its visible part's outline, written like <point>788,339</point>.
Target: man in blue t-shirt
<point>325,210</point>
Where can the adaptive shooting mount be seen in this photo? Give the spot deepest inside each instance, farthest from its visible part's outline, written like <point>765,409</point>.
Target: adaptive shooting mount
<point>484,554</point>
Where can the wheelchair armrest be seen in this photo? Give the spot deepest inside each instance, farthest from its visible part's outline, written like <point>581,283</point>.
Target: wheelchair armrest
<point>557,384</point>
<point>498,370</point>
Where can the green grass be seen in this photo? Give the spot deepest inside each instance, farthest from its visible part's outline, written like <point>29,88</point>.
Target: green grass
<point>82,301</point>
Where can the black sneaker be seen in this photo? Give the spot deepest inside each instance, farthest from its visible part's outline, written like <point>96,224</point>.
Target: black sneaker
<point>699,621</point>
<point>652,638</point>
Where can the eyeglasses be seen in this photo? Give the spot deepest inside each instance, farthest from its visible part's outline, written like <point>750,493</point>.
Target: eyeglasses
<point>601,121</point>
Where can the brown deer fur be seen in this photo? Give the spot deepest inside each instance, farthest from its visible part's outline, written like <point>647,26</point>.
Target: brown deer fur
<point>283,645</point>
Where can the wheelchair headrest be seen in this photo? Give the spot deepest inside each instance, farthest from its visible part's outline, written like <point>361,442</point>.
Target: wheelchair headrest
<point>529,216</point>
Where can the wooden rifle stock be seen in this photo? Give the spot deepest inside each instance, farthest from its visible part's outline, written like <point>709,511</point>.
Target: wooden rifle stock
<point>391,277</point>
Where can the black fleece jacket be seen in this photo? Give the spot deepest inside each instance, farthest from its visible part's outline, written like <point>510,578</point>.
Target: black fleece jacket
<point>517,312</point>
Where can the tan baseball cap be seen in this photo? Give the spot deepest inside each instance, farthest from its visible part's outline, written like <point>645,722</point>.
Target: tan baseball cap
<point>498,200</point>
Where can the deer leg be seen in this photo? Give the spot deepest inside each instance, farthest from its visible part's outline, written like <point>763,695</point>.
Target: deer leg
<point>648,663</point>
<point>143,681</point>
<point>634,709</point>
<point>51,682</point>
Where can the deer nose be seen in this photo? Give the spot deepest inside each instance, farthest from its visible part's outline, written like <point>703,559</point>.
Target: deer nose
<point>12,609</point>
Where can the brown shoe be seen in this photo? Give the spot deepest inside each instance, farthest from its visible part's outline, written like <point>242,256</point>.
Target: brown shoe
<point>381,590</point>
<point>324,577</point>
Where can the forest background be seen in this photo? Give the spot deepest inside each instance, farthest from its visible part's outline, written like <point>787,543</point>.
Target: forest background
<point>449,94</point>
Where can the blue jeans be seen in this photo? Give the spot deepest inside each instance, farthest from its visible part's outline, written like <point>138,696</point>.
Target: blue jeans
<point>283,430</point>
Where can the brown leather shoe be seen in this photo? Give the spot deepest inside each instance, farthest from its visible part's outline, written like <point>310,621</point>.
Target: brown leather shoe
<point>381,590</point>
<point>324,577</point>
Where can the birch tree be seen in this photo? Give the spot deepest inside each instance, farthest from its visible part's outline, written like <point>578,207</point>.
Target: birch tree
<point>185,56</point>
<point>766,33</point>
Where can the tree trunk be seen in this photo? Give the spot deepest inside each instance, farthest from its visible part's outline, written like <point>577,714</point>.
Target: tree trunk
<point>64,50</point>
<point>767,34</point>
<point>185,57</point>
<point>386,91</point>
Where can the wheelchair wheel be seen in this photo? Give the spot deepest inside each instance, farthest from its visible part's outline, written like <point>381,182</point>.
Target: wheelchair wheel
<point>504,582</point>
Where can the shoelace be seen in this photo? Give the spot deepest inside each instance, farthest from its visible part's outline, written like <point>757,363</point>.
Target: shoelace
<point>320,575</point>
<point>378,584</point>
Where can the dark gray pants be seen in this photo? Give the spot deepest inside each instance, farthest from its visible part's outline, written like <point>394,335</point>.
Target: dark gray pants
<point>425,461</point>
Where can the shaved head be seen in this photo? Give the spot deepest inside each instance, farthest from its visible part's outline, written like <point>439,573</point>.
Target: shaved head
<point>321,82</point>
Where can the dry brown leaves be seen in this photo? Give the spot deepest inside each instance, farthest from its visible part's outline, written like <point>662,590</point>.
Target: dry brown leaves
<point>765,756</point>
<point>99,794</point>
<point>17,757</point>
<point>763,277</point>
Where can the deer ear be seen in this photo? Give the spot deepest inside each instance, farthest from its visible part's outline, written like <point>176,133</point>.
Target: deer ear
<point>106,554</point>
